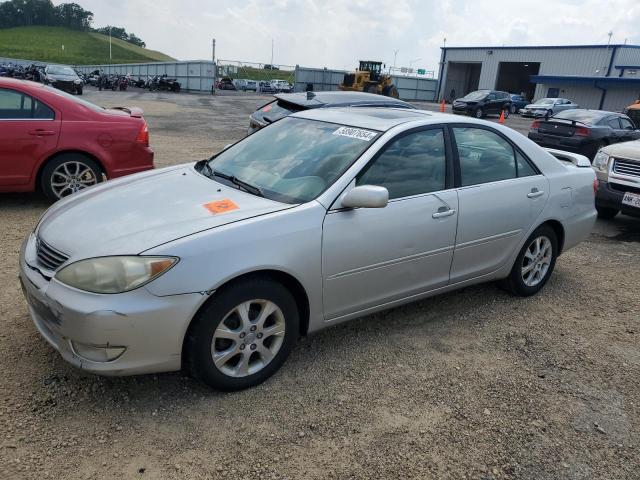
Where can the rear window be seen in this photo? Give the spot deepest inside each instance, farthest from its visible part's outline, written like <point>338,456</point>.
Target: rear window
<point>276,110</point>
<point>74,98</point>
<point>584,116</point>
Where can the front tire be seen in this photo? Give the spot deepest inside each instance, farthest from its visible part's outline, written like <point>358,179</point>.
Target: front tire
<point>479,113</point>
<point>512,108</point>
<point>243,335</point>
<point>67,174</point>
<point>534,264</point>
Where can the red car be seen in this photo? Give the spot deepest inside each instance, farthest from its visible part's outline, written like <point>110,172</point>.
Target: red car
<point>59,143</point>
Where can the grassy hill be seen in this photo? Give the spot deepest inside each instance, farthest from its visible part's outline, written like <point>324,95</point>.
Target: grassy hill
<point>44,44</point>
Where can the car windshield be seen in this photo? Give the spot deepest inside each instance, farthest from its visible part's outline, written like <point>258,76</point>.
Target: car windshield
<point>475,96</point>
<point>293,160</point>
<point>74,98</point>
<point>583,116</point>
<point>58,70</point>
<point>545,101</point>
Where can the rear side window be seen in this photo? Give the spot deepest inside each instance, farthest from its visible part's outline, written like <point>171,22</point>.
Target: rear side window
<point>18,106</point>
<point>410,165</point>
<point>613,122</point>
<point>487,157</point>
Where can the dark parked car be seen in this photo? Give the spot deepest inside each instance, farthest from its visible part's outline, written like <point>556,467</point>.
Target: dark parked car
<point>63,78</point>
<point>517,102</point>
<point>483,102</point>
<point>583,131</point>
<point>266,87</point>
<point>225,83</point>
<point>287,103</point>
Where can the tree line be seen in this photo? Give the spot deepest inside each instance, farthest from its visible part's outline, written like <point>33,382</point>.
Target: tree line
<point>26,13</point>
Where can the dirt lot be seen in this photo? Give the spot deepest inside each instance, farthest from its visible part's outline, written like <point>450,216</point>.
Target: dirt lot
<point>473,384</point>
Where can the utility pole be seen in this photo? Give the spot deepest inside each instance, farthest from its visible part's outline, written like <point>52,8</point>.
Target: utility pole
<point>215,66</point>
<point>610,35</point>
<point>272,53</point>
<point>110,56</point>
<point>395,55</point>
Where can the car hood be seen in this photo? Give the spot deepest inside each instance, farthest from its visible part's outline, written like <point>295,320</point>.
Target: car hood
<point>63,78</point>
<point>539,106</point>
<point>139,212</point>
<point>630,150</point>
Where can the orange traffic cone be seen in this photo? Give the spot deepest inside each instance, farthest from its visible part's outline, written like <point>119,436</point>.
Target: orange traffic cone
<point>501,117</point>
<point>442,106</point>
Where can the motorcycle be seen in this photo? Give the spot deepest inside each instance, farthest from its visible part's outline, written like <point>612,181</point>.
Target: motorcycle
<point>165,84</point>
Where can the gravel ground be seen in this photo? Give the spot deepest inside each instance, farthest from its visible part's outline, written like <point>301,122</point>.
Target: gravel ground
<point>474,384</point>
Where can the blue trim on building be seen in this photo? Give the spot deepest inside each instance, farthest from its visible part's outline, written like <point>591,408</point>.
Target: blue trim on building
<point>583,80</point>
<point>540,47</point>
<point>624,67</point>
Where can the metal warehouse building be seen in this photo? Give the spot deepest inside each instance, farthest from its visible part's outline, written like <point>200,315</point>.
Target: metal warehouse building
<point>605,77</point>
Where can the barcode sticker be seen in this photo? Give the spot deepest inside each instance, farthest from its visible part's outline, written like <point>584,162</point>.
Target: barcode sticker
<point>357,133</point>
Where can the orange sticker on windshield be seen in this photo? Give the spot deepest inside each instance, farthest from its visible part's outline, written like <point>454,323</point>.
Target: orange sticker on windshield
<point>221,206</point>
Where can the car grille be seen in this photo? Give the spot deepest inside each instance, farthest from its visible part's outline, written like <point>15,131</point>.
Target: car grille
<point>626,167</point>
<point>49,257</point>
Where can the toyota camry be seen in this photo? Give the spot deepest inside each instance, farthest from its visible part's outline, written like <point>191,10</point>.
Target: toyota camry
<point>218,266</point>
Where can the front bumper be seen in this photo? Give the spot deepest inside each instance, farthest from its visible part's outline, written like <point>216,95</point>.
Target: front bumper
<point>69,87</point>
<point>139,331</point>
<point>610,196</point>
<point>532,113</point>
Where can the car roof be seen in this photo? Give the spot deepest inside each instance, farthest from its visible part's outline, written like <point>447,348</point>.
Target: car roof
<point>332,98</point>
<point>371,118</point>
<point>19,82</point>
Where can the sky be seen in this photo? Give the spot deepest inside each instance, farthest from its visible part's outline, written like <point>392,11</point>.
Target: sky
<point>338,33</point>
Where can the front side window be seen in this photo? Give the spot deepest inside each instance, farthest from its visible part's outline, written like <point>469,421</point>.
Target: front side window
<point>626,124</point>
<point>294,159</point>
<point>487,157</point>
<point>18,106</point>
<point>410,165</point>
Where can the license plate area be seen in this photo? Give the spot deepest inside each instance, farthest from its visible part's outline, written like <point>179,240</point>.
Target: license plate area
<point>631,199</point>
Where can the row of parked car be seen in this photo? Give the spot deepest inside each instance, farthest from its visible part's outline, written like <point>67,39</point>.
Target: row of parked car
<point>247,85</point>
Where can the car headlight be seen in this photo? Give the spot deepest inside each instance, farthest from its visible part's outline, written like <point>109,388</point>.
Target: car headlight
<point>77,81</point>
<point>114,274</point>
<point>601,161</point>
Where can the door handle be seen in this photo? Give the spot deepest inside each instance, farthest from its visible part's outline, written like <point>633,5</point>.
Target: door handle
<point>41,133</point>
<point>535,193</point>
<point>441,213</point>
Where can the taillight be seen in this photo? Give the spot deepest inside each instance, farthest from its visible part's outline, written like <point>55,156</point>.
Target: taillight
<point>595,186</point>
<point>535,125</point>
<point>581,132</point>
<point>143,135</point>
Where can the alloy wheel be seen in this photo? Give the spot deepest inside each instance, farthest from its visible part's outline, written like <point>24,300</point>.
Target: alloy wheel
<point>71,177</point>
<point>536,261</point>
<point>248,338</point>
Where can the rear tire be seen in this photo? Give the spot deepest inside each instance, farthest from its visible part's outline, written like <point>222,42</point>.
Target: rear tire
<point>371,89</point>
<point>534,264</point>
<point>606,213</point>
<point>512,108</point>
<point>218,328</point>
<point>75,170</point>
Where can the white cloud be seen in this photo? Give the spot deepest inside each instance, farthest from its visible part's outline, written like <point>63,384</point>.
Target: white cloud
<point>337,33</point>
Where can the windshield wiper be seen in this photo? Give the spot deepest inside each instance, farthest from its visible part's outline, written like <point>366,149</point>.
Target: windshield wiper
<point>247,187</point>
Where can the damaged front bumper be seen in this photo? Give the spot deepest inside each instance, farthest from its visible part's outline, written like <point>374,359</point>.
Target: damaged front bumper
<point>121,334</point>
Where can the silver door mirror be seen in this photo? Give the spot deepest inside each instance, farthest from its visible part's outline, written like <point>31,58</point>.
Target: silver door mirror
<point>366,196</point>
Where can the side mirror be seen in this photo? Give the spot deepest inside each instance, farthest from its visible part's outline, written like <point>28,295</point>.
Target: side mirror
<point>366,196</point>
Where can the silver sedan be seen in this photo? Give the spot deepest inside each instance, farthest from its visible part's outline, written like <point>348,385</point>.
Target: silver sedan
<point>547,107</point>
<point>217,267</point>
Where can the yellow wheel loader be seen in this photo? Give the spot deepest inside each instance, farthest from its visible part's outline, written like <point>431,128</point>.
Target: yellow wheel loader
<point>369,78</point>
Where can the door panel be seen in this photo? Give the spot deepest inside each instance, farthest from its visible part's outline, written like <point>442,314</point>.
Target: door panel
<point>28,133</point>
<point>493,218</point>
<point>373,256</point>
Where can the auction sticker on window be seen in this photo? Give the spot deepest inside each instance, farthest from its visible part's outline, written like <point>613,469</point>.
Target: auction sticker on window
<point>221,206</point>
<point>358,133</point>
